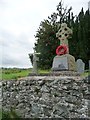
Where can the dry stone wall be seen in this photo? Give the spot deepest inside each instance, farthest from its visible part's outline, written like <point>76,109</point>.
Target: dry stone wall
<point>46,97</point>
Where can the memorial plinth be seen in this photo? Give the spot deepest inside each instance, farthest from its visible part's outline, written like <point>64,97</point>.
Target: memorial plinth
<point>64,62</point>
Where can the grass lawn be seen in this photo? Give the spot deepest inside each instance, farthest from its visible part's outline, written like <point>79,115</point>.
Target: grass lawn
<point>15,73</point>
<point>85,74</point>
<point>0,114</point>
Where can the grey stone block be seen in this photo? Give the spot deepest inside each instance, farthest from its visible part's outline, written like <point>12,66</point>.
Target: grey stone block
<point>63,62</point>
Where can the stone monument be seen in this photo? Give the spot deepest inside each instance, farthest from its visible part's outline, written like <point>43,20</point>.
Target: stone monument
<point>34,60</point>
<point>63,60</point>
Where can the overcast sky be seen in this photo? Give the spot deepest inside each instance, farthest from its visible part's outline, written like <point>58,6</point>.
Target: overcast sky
<point>19,21</point>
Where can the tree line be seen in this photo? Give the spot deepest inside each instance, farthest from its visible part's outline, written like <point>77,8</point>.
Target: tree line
<point>79,44</point>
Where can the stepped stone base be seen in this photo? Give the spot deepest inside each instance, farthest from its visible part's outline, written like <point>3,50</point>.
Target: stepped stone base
<point>56,73</point>
<point>64,62</point>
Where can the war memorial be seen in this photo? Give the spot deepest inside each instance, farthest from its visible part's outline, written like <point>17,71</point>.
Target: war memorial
<point>62,93</point>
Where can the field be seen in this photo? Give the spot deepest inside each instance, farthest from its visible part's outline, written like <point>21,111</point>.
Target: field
<point>15,73</point>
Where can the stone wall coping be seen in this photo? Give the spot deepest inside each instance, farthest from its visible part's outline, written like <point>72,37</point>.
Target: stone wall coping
<point>50,78</point>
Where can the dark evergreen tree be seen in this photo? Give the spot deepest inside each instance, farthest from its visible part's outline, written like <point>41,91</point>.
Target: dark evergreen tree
<point>80,47</point>
<point>46,43</point>
<point>86,37</point>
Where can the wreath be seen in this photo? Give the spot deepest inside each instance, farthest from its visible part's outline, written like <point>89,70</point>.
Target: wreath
<point>62,49</point>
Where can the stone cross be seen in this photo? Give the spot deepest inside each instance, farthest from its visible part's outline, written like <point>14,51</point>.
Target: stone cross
<point>63,34</point>
<point>35,59</point>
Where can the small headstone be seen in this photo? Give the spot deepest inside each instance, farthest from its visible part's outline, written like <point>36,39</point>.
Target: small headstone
<point>80,66</point>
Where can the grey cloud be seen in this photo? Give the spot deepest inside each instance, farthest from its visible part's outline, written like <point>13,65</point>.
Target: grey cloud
<point>16,61</point>
<point>25,42</point>
<point>22,41</point>
<point>15,50</point>
<point>2,2</point>
<point>9,61</point>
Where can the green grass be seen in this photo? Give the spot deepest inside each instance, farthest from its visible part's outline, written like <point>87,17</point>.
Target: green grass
<point>0,114</point>
<point>15,73</point>
<point>86,73</point>
<point>10,115</point>
<point>43,71</point>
